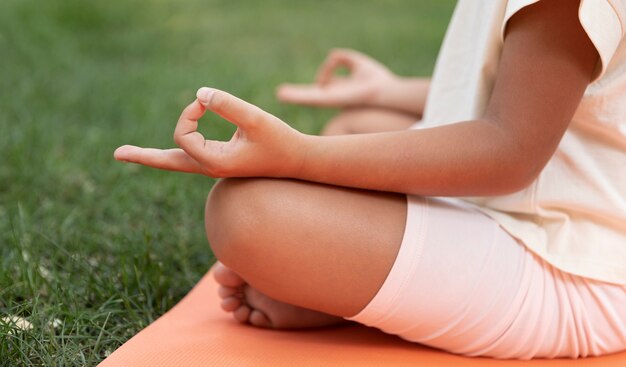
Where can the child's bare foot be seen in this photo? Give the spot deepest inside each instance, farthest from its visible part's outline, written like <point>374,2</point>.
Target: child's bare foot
<point>251,306</point>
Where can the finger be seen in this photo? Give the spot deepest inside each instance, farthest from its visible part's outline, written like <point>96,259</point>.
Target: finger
<point>239,112</point>
<point>334,61</point>
<point>313,95</point>
<point>305,94</point>
<point>340,57</point>
<point>167,159</point>
<point>186,135</point>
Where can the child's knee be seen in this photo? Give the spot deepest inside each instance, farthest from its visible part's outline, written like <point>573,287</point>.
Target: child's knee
<point>235,211</point>
<point>342,123</point>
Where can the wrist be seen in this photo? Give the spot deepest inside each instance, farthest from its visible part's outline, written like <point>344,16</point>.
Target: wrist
<point>298,155</point>
<point>382,95</point>
<point>404,94</point>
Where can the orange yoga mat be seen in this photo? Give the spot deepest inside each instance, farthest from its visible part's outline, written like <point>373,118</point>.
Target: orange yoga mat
<point>196,332</point>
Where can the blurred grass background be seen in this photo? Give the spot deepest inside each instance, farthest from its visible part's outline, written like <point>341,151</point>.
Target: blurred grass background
<point>92,250</point>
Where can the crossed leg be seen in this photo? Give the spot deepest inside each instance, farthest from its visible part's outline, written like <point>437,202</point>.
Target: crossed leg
<point>317,247</point>
<point>295,254</point>
<point>368,120</point>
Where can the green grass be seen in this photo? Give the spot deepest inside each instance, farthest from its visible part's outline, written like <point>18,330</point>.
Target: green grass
<point>103,247</point>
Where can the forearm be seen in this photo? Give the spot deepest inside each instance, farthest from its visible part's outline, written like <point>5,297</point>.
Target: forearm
<point>473,158</point>
<point>404,94</point>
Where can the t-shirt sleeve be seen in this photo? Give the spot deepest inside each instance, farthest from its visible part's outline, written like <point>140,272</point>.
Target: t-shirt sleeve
<point>601,20</point>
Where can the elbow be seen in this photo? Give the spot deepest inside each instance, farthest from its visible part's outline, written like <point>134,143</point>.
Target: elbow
<point>518,184</point>
<point>516,162</point>
<point>517,176</point>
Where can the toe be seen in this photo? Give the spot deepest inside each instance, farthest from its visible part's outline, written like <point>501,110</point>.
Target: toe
<point>258,318</point>
<point>242,313</point>
<point>230,304</point>
<point>226,277</point>
<point>224,292</point>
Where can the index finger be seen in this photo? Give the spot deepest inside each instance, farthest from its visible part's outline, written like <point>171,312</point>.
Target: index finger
<point>237,111</point>
<point>337,58</point>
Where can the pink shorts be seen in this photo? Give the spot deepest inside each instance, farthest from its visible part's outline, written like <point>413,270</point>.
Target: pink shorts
<point>462,284</point>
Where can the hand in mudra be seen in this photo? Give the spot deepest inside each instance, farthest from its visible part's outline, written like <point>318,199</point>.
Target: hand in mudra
<point>263,145</point>
<point>366,80</point>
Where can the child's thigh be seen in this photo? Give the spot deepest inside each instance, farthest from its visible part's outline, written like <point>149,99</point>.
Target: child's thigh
<point>316,246</point>
<point>462,283</point>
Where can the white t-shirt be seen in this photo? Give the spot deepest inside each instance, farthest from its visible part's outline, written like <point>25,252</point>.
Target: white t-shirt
<point>574,214</point>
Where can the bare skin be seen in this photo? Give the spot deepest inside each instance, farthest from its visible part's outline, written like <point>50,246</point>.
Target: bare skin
<point>366,120</point>
<point>250,306</point>
<point>281,241</point>
<point>316,222</point>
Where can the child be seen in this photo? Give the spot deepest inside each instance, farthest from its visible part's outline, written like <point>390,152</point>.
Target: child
<point>524,132</point>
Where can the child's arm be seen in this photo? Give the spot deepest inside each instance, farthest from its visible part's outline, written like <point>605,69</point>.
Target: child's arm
<point>369,83</point>
<point>546,64</point>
